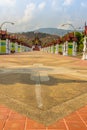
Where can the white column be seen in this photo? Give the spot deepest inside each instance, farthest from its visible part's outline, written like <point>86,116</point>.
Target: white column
<point>27,49</point>
<point>20,48</point>
<point>85,49</point>
<point>74,51</point>
<point>33,47</point>
<point>57,49</point>
<point>24,48</point>
<point>65,48</point>
<point>45,49</point>
<point>40,48</point>
<point>7,46</point>
<point>52,48</point>
<point>10,46</point>
<point>9,50</point>
<point>49,49</point>
<point>16,47</point>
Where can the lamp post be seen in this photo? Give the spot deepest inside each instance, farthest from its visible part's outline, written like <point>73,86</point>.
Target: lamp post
<point>71,26</point>
<point>68,24</point>
<point>5,23</point>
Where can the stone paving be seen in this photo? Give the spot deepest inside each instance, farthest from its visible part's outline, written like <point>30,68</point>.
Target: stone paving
<point>11,120</point>
<point>45,89</point>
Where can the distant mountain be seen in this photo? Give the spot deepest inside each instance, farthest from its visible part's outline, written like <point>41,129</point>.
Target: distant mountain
<point>53,31</point>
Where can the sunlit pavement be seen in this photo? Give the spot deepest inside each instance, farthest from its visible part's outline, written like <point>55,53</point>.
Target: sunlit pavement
<point>12,120</point>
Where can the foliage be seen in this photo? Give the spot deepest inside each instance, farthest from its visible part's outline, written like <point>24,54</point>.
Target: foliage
<point>79,37</point>
<point>37,38</point>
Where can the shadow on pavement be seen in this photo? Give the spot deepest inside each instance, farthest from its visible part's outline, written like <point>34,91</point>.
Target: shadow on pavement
<point>7,79</point>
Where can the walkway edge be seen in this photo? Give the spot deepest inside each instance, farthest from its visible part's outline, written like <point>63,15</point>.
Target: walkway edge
<point>57,112</point>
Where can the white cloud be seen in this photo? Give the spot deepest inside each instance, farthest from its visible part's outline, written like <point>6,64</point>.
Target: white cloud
<point>41,5</point>
<point>67,2</point>
<point>56,5</point>
<point>7,2</point>
<point>83,4</point>
<point>28,13</point>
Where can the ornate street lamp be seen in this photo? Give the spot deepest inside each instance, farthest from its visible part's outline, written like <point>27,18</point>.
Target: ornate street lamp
<point>71,26</point>
<point>5,23</point>
<point>68,24</point>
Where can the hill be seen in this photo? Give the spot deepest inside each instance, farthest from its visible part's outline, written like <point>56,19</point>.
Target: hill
<point>53,31</point>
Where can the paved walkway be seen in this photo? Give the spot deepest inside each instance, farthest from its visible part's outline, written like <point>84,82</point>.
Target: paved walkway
<point>11,120</point>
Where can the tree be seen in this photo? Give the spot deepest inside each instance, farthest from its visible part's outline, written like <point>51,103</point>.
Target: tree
<point>79,37</point>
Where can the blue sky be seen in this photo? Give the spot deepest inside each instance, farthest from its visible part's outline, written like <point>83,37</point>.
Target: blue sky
<point>29,15</point>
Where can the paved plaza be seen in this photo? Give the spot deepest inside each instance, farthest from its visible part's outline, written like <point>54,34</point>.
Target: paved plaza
<point>48,91</point>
